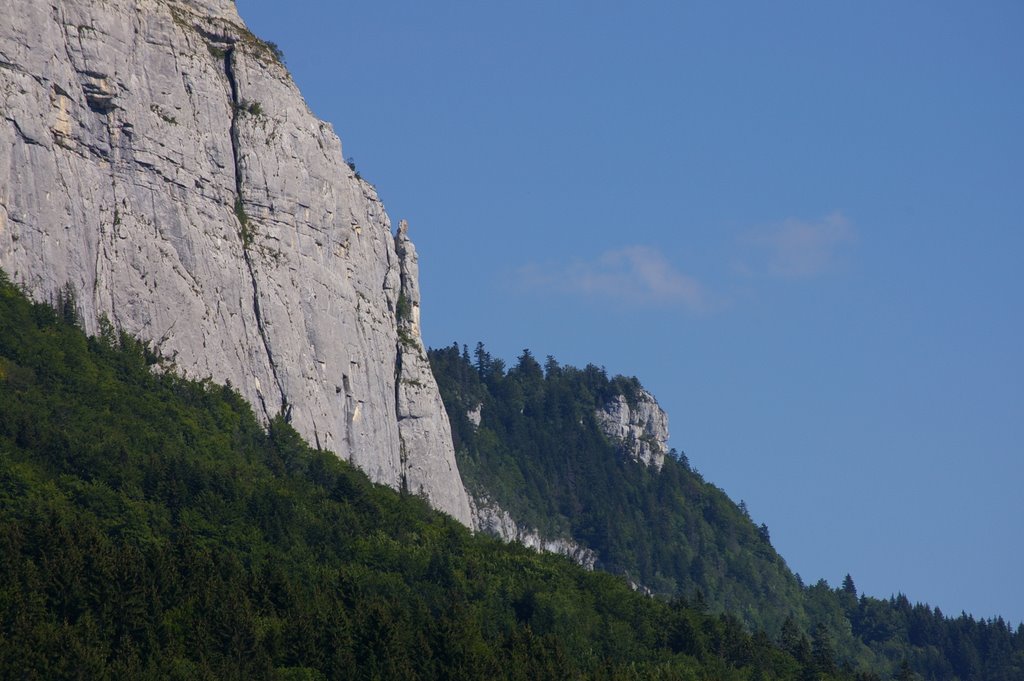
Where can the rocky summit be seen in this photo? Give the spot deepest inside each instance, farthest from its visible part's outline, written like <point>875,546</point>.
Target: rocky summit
<point>158,162</point>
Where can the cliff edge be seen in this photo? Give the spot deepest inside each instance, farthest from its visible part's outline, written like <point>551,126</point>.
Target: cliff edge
<point>157,158</point>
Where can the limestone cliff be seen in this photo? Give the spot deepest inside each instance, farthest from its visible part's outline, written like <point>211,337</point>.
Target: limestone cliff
<point>638,426</point>
<point>492,519</point>
<point>157,157</point>
<point>424,432</point>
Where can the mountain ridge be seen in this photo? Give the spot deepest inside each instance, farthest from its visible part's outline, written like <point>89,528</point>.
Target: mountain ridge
<point>283,266</point>
<point>536,440</point>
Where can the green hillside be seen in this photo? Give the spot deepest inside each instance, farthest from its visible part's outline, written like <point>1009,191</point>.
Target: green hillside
<point>539,453</point>
<point>150,528</point>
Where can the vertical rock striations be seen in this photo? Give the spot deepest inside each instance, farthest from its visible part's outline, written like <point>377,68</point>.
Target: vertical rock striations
<point>157,157</point>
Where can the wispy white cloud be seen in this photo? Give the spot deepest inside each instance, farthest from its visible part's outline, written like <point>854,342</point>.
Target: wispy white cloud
<point>797,248</point>
<point>635,274</point>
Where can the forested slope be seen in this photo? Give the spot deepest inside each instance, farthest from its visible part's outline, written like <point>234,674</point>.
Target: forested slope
<point>150,528</point>
<point>537,450</point>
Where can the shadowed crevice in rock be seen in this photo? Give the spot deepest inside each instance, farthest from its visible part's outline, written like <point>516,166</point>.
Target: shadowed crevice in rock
<point>402,452</point>
<point>246,235</point>
<point>27,139</point>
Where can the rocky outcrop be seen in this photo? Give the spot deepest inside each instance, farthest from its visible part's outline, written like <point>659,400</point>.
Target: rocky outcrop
<point>157,157</point>
<point>475,415</point>
<point>424,433</point>
<point>638,426</point>
<point>490,518</point>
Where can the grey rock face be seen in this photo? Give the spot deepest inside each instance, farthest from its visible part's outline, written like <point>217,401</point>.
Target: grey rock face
<point>156,156</point>
<point>490,518</point>
<point>475,415</point>
<point>640,430</point>
<point>423,429</point>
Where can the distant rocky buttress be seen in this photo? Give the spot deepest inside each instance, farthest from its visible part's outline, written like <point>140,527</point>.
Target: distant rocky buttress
<point>158,158</point>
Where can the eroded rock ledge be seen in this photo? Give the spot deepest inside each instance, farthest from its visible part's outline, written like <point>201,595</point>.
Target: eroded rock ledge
<point>490,518</point>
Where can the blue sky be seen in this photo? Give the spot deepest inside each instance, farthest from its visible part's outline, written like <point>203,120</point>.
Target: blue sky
<point>799,224</point>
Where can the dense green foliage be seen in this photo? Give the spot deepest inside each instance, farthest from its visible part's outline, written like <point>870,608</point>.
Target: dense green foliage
<point>539,453</point>
<point>150,528</point>
<point>934,646</point>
